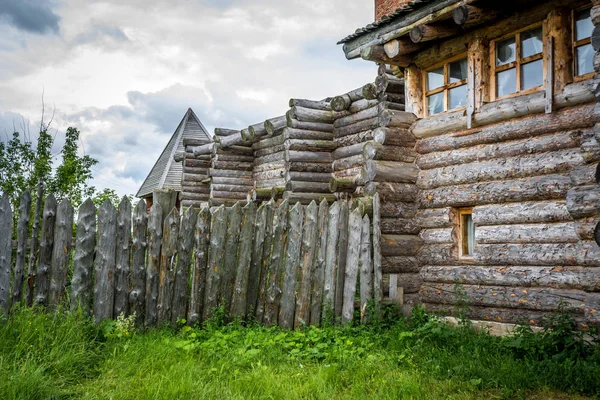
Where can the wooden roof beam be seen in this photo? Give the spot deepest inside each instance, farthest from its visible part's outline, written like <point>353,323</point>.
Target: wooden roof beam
<point>400,47</point>
<point>425,33</point>
<point>469,16</point>
<point>377,54</point>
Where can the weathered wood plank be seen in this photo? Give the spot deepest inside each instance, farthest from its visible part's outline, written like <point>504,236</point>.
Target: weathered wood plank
<point>155,232</point>
<point>279,242</point>
<point>244,262</point>
<point>366,268</point>
<point>218,230</point>
<point>254,269</point>
<point>181,292</point>
<point>292,262</point>
<point>377,257</point>
<point>6,225</point>
<point>104,265</point>
<point>340,275</point>
<point>230,255</point>
<point>266,255</point>
<point>316,301</point>
<point>61,253</point>
<point>35,241</point>
<point>137,295</point>
<point>167,266</point>
<point>83,260</point>
<point>331,254</point>
<point>201,243</point>
<point>307,265</point>
<point>352,264</point>
<point>46,243</point>
<point>22,233</point>
<point>123,258</point>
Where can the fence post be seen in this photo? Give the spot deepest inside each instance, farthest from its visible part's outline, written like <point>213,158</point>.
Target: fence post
<point>104,266</point>
<point>292,261</point>
<point>83,261</point>
<point>266,256</point>
<point>34,250</point>
<point>6,224</point>
<point>123,254</point>
<point>366,268</point>
<point>137,296</point>
<point>244,261</point>
<point>307,259</point>
<point>319,270</point>
<point>167,266</point>
<point>202,238</point>
<point>184,261</point>
<point>354,236</point>
<point>46,244</point>
<point>155,233</point>
<point>255,273</point>
<point>340,274</point>
<point>22,230</point>
<point>218,229</point>
<point>230,256</point>
<point>61,253</point>
<point>329,282</point>
<point>275,264</point>
<point>377,272</point>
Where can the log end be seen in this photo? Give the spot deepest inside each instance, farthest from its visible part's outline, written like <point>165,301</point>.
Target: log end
<point>340,103</point>
<point>416,34</point>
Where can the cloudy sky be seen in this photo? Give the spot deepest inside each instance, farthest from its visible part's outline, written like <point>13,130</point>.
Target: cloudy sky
<point>125,71</point>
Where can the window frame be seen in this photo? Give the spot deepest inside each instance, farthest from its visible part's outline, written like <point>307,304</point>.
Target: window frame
<point>463,240</point>
<point>446,87</point>
<point>517,63</point>
<point>578,43</point>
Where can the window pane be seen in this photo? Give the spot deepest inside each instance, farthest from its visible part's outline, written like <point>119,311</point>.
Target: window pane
<point>435,78</point>
<point>506,82</point>
<point>457,97</point>
<point>506,51</point>
<point>468,235</point>
<point>532,75</point>
<point>585,60</point>
<point>458,70</point>
<point>531,42</point>
<point>583,25</point>
<point>435,103</point>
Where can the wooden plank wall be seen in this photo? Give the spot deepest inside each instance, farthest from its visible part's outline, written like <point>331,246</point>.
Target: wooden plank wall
<point>270,262</point>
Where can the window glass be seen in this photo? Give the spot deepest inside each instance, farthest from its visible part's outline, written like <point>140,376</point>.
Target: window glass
<point>532,75</point>
<point>506,82</point>
<point>585,60</point>
<point>457,97</point>
<point>458,70</point>
<point>531,42</point>
<point>583,25</point>
<point>435,78</point>
<point>435,103</point>
<point>506,51</point>
<point>468,234</point>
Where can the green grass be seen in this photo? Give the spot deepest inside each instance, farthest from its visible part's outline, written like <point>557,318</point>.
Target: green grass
<point>65,356</point>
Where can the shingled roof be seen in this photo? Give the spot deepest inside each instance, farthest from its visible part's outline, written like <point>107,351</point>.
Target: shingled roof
<point>167,173</point>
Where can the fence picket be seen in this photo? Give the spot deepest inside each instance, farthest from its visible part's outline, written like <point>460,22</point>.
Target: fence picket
<point>266,256</point>
<point>319,270</point>
<point>307,262</point>
<point>35,242</point>
<point>104,266</point>
<point>218,229</point>
<point>137,295</point>
<point>292,262</point>
<point>352,257</point>
<point>342,258</point>
<point>366,268</point>
<point>123,258</point>
<point>83,260</point>
<point>167,266</point>
<point>201,241</point>
<point>22,233</point>
<point>254,275</point>
<point>329,281</point>
<point>244,261</point>
<point>6,224</point>
<point>231,254</point>
<point>155,233</point>
<point>184,262</point>
<point>276,265</point>
<point>61,253</point>
<point>46,244</point>
<point>377,271</point>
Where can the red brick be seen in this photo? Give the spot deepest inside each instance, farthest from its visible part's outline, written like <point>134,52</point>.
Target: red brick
<point>386,7</point>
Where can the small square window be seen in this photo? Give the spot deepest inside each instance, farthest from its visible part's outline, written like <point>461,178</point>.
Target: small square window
<point>467,233</point>
<point>582,49</point>
<point>446,87</point>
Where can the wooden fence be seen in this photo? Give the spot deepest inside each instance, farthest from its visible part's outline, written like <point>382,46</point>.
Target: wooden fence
<point>284,265</point>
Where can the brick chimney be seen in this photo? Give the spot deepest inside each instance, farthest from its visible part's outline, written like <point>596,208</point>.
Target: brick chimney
<point>386,7</point>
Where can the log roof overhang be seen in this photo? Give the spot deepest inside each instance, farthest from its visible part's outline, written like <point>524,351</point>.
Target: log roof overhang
<point>397,24</point>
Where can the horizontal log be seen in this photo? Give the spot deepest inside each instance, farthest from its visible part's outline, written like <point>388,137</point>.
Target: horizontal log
<point>302,166</point>
<point>389,84</point>
<point>194,190</point>
<point>234,158</point>
<point>400,265</point>
<point>398,209</point>
<point>576,254</point>
<point>208,148</point>
<point>309,126</point>
<point>292,133</point>
<point>337,185</point>
<point>399,226</point>
<point>307,187</point>
<point>394,137</point>
<point>193,203</point>
<point>194,177</point>
<point>362,105</point>
<point>270,174</point>
<point>581,278</point>
<point>270,183</point>
<point>438,254</point>
<point>584,201</point>
<point>469,16</point>
<point>504,110</point>
<point>269,142</point>
<point>309,145</point>
<point>231,166</point>
<point>236,149</point>
<point>231,188</point>
<point>308,156</point>
<point>343,102</point>
<point>410,283</point>
<point>308,176</point>
<point>348,151</point>
<point>196,171</point>
<point>425,33</point>
<point>401,46</point>
<point>369,91</point>
<point>377,54</point>
<point>278,156</point>
<point>275,125</point>
<point>179,156</point>
<point>400,245</point>
<point>225,132</point>
<point>312,115</point>
<point>585,175</point>
<point>194,196</point>
<point>378,151</point>
<point>307,198</point>
<point>269,166</point>
<point>399,119</point>
<point>521,213</point>
<point>229,141</point>
<point>389,171</point>
<point>258,154</point>
<point>548,187</point>
<point>357,127</point>
<point>437,217</point>
<point>348,162</point>
<point>257,130</point>
<point>225,180</point>
<point>438,235</point>
<point>565,232</point>
<point>353,173</point>
<point>546,143</point>
<point>505,168</point>
<point>354,117</point>
<point>229,195</point>
<point>230,173</point>
<point>587,228</point>
<point>189,142</point>
<point>315,105</point>
<point>392,191</point>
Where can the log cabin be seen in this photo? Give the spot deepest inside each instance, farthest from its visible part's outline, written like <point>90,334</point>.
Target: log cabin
<point>480,137</point>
